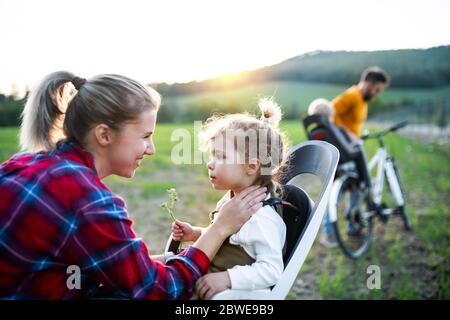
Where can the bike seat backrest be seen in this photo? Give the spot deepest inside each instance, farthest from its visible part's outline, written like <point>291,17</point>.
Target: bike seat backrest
<point>295,208</point>
<point>318,127</point>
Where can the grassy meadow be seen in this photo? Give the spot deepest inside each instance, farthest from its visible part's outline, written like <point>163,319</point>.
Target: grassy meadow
<point>298,95</point>
<point>413,265</point>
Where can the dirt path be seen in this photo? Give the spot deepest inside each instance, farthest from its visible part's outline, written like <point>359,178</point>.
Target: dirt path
<point>414,260</point>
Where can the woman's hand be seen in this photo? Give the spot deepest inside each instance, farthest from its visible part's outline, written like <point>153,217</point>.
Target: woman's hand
<point>236,211</point>
<point>184,231</point>
<point>212,283</point>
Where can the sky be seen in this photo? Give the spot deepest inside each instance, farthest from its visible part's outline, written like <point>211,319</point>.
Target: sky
<point>179,41</point>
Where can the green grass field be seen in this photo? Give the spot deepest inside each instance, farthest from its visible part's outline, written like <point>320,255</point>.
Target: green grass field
<point>413,266</point>
<point>299,94</point>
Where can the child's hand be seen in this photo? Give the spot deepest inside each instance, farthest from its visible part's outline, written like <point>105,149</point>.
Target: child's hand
<point>212,283</point>
<point>183,231</point>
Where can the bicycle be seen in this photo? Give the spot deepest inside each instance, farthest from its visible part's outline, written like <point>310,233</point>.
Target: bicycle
<point>353,206</point>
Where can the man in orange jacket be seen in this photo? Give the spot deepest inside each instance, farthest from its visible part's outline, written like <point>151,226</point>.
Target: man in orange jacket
<point>350,112</point>
<point>351,106</point>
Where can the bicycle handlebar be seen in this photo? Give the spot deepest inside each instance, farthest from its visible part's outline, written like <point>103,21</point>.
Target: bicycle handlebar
<point>379,134</point>
<point>398,126</point>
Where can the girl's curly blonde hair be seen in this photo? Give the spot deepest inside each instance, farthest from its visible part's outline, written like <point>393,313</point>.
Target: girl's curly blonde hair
<point>253,138</point>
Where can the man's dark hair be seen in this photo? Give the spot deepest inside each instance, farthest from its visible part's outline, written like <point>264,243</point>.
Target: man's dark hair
<point>374,75</point>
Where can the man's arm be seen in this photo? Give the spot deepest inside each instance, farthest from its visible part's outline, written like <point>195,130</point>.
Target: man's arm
<point>343,104</point>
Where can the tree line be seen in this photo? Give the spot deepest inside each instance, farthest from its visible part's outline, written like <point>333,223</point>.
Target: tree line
<point>410,68</point>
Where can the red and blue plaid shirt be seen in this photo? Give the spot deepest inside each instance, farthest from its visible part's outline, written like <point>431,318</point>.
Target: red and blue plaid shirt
<point>55,212</point>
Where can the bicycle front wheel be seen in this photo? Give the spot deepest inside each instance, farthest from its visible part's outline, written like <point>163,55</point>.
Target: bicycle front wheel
<point>353,226</point>
<point>400,209</point>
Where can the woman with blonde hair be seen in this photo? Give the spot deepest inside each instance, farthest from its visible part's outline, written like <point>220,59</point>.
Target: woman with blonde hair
<point>57,215</point>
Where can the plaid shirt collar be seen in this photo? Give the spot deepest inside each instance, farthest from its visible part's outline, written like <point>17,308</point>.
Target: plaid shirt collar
<point>74,152</point>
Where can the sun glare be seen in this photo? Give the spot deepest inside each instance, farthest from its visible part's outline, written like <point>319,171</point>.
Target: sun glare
<point>181,41</point>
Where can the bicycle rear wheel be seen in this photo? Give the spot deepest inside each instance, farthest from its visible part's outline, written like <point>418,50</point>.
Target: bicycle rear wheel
<point>353,226</point>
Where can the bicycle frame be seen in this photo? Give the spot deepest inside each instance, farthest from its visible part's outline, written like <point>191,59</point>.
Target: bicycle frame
<point>385,167</point>
<point>358,204</point>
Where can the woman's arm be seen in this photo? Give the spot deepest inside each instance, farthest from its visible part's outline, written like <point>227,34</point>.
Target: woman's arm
<point>162,257</point>
<point>107,250</point>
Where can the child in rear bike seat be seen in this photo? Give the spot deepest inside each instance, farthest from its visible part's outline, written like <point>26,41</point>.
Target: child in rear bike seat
<point>244,151</point>
<point>324,107</point>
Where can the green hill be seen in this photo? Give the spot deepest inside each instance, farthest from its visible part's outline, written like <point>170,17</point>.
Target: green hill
<point>420,81</point>
<point>409,68</point>
<point>294,98</point>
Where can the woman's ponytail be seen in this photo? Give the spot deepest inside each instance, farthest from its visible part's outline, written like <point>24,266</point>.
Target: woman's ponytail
<point>52,114</point>
<point>43,115</point>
